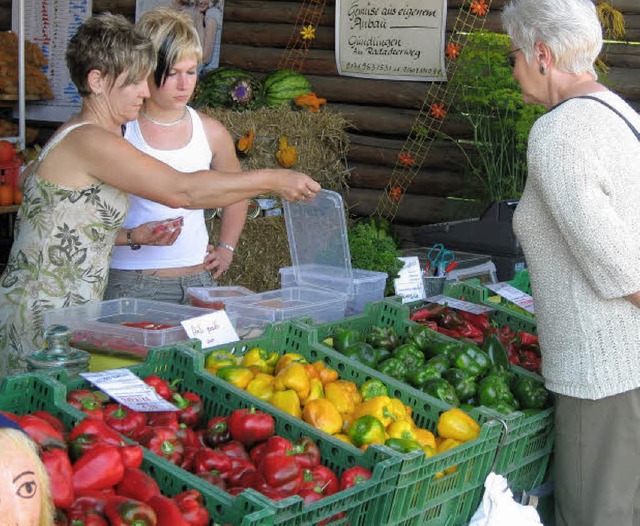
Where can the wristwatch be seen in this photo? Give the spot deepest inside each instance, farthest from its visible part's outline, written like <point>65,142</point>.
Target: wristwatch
<point>132,245</point>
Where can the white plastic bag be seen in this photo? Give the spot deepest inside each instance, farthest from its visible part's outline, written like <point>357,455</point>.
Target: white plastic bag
<point>499,509</point>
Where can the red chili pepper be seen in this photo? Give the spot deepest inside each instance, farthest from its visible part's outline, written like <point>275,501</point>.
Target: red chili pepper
<point>468,330</point>
<point>58,466</point>
<point>191,504</point>
<point>428,323</point>
<point>250,426</point>
<point>162,387</point>
<point>217,431</point>
<point>527,338</point>
<point>306,453</point>
<point>207,459</point>
<point>124,420</point>
<point>354,476</point>
<point>131,455</point>
<point>164,441</point>
<point>321,479</point>
<point>427,312</point>
<point>191,408</point>
<point>123,511</point>
<point>54,421</point>
<point>480,321</point>
<point>99,468</point>
<point>136,484</point>
<point>449,332</point>
<point>42,432</point>
<point>167,511</point>
<point>451,319</point>
<point>282,472</point>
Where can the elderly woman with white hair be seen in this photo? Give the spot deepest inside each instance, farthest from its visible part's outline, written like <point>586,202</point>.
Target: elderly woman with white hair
<point>578,221</point>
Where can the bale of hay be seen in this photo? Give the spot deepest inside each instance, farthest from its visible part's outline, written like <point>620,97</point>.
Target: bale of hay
<point>321,142</point>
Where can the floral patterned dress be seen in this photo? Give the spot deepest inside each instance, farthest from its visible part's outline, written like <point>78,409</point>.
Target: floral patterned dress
<point>59,258</point>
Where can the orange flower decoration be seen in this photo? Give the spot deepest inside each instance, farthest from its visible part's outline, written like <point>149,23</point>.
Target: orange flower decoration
<point>406,159</point>
<point>453,51</point>
<point>438,111</point>
<point>479,7</point>
<point>396,193</point>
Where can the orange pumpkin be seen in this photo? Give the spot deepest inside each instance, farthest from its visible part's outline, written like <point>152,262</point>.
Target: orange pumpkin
<point>17,195</point>
<point>6,195</point>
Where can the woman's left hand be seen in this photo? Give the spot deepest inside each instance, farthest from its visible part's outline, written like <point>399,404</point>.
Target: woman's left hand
<point>217,260</point>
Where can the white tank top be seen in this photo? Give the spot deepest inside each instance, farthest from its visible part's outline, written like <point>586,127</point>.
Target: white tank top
<point>191,245</point>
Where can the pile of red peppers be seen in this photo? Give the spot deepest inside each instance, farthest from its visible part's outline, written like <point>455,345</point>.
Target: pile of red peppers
<point>523,348</point>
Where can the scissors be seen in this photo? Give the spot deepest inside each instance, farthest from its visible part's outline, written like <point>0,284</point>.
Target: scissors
<point>439,259</point>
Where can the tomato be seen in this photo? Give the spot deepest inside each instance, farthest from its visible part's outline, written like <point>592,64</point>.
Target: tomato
<point>149,325</point>
<point>7,152</point>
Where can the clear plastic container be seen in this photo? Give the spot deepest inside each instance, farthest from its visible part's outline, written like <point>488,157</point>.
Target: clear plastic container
<point>215,298</point>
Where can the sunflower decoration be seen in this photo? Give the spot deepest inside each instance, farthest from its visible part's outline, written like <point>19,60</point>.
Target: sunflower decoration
<point>479,7</point>
<point>453,51</point>
<point>406,159</point>
<point>438,111</point>
<point>395,193</point>
<point>308,32</point>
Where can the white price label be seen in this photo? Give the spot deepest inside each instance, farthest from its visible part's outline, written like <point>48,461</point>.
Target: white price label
<point>129,390</point>
<point>514,295</point>
<point>409,282</point>
<point>211,329</point>
<point>466,306</point>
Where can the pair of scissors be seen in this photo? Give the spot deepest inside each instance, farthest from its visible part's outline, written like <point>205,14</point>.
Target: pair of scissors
<point>439,259</point>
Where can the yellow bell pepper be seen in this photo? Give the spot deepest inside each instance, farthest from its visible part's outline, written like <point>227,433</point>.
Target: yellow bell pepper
<point>288,358</point>
<point>344,394</point>
<point>326,374</point>
<point>455,423</point>
<point>446,445</point>
<point>402,429</point>
<point>236,375</point>
<point>429,451</point>
<point>293,377</point>
<point>316,390</point>
<point>260,358</point>
<point>288,402</point>
<point>262,386</point>
<point>426,438</point>
<point>399,410</point>
<point>344,438</point>
<point>378,406</point>
<point>219,359</point>
<point>321,413</point>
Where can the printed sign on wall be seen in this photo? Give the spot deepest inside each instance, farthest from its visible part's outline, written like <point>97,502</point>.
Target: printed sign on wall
<point>391,40</point>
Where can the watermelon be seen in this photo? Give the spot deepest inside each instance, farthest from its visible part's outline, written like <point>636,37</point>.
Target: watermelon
<point>284,85</point>
<point>228,87</point>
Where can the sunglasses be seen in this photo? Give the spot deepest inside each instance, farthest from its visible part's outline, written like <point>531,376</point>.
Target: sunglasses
<point>511,59</point>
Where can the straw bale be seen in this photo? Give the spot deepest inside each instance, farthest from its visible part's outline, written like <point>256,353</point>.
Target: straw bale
<point>321,142</point>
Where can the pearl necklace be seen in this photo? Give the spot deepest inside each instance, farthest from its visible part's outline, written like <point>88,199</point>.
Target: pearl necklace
<point>166,124</point>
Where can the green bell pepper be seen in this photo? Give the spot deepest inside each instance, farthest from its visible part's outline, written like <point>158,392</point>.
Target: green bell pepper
<point>372,388</point>
<point>506,376</point>
<point>531,393</point>
<point>410,355</point>
<point>441,363</point>
<point>443,348</point>
<point>343,338</point>
<point>493,391</point>
<point>382,337</point>
<point>472,359</point>
<point>464,384</point>
<point>364,353</point>
<point>394,368</point>
<point>503,407</point>
<point>442,390</point>
<point>497,352</point>
<point>422,336</point>
<point>402,445</point>
<point>418,377</point>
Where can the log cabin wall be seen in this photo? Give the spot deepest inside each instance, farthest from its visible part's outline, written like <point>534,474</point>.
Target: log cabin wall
<point>255,33</point>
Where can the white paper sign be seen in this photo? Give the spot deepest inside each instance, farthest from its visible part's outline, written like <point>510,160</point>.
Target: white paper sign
<point>211,329</point>
<point>466,306</point>
<point>129,390</point>
<point>409,282</point>
<point>511,293</point>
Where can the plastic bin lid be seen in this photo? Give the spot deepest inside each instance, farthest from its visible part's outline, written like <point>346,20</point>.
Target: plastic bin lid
<point>317,232</point>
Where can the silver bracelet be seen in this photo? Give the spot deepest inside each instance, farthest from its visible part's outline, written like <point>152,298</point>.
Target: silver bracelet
<point>225,245</point>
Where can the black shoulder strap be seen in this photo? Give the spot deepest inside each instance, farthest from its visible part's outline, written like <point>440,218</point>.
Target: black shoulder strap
<point>636,132</point>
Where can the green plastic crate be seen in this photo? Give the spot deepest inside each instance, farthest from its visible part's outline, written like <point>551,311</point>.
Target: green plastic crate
<point>26,393</point>
<point>418,498</point>
<point>220,398</point>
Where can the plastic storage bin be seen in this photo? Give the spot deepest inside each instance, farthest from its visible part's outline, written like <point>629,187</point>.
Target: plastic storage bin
<point>215,297</point>
<point>98,326</point>
<point>367,285</point>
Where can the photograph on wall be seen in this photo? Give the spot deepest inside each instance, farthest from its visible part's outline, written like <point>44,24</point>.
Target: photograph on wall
<point>207,16</point>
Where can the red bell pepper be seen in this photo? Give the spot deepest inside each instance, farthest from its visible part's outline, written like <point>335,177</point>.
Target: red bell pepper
<point>189,457</point>
<point>102,432</point>
<point>122,511</point>
<point>167,511</point>
<point>306,453</point>
<point>244,474</point>
<point>42,432</point>
<point>191,408</point>
<point>310,495</point>
<point>320,478</point>
<point>162,387</point>
<point>234,450</point>
<point>164,441</point>
<point>188,436</point>
<point>217,431</point>
<point>272,493</point>
<point>282,472</point>
<point>191,505</point>
<point>124,420</point>
<point>207,459</point>
<point>99,468</point>
<point>131,455</point>
<point>163,419</point>
<point>88,509</point>
<point>136,484</point>
<point>214,479</point>
<point>54,421</point>
<point>250,426</point>
<point>85,400</point>
<point>354,476</point>
<point>58,466</point>
<point>274,443</point>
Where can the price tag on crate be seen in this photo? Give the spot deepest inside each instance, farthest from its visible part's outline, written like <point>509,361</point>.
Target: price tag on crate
<point>129,390</point>
<point>514,295</point>
<point>211,329</point>
<point>466,306</point>
<point>409,284</point>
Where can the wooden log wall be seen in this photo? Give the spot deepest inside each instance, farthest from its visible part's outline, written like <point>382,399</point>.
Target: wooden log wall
<point>255,34</point>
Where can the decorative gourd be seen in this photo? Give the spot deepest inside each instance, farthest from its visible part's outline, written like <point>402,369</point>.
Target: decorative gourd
<point>287,155</point>
<point>284,85</point>
<point>228,87</point>
<point>309,101</point>
<point>245,144</point>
